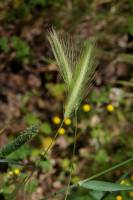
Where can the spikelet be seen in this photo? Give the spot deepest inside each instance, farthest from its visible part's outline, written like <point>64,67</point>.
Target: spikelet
<point>76,69</point>
<point>26,135</point>
<point>81,78</point>
<point>64,52</point>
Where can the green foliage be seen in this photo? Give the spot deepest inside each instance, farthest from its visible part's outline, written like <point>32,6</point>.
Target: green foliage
<point>103,137</point>
<point>31,118</point>
<point>27,135</point>
<point>96,195</point>
<point>130,24</point>
<point>33,4</point>
<point>65,164</point>
<point>23,9</point>
<point>45,128</point>
<point>18,13</point>
<point>131,5</point>
<point>56,90</point>
<point>105,186</point>
<point>45,165</point>
<point>79,195</point>
<point>21,47</point>
<point>96,97</point>
<point>31,186</point>
<point>101,156</point>
<point>20,154</point>
<point>4,44</point>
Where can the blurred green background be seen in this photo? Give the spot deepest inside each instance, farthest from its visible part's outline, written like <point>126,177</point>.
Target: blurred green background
<point>31,92</point>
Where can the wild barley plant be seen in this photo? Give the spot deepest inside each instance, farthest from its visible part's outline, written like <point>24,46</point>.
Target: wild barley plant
<point>77,69</point>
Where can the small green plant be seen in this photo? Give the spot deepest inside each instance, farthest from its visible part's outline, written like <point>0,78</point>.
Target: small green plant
<point>23,9</point>
<point>4,46</point>
<point>21,47</point>
<point>27,135</point>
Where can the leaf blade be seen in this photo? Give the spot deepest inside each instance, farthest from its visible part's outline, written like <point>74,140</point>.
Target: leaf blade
<point>104,186</point>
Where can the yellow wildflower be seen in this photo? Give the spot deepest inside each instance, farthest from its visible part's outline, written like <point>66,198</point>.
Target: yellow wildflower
<point>67,121</point>
<point>16,171</point>
<point>110,108</point>
<point>10,173</point>
<point>56,120</point>
<point>131,178</point>
<point>86,107</point>
<point>119,197</point>
<point>131,194</point>
<point>124,182</point>
<point>61,131</point>
<point>46,142</point>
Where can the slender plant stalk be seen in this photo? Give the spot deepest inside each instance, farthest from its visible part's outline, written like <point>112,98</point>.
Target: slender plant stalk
<point>11,162</point>
<point>73,154</point>
<point>90,178</point>
<point>107,170</point>
<point>53,141</point>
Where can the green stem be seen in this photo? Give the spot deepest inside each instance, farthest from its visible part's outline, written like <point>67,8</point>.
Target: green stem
<point>90,178</point>
<point>108,170</point>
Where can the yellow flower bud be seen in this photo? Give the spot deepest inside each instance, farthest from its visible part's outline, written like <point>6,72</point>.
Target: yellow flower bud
<point>56,120</point>
<point>10,173</point>
<point>131,194</point>
<point>119,197</point>
<point>131,178</point>
<point>46,142</point>
<point>67,121</point>
<point>61,131</point>
<point>16,171</point>
<point>123,182</point>
<point>86,107</point>
<point>110,108</point>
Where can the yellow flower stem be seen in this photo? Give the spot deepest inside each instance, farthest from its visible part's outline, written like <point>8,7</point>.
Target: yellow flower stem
<point>53,140</point>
